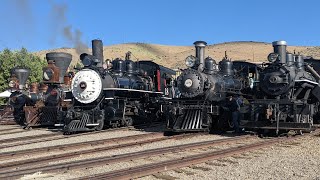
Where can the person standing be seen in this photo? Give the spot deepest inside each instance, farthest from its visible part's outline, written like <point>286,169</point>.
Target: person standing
<point>234,107</point>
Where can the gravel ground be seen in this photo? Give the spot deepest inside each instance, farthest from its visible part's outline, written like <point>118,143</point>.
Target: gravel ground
<point>299,159</point>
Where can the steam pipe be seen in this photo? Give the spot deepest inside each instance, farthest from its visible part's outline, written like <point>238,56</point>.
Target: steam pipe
<point>97,51</point>
<point>200,46</point>
<point>313,72</point>
<point>280,47</point>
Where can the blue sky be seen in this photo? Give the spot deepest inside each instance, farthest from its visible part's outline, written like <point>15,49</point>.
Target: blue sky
<point>39,24</point>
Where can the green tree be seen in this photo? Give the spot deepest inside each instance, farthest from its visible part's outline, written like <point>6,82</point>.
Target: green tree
<point>10,59</point>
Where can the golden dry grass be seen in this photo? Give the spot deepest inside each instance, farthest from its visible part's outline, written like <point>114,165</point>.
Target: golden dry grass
<point>173,56</point>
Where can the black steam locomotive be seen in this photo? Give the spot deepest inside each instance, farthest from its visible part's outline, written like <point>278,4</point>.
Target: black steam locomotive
<point>204,86</point>
<point>287,93</point>
<point>122,94</point>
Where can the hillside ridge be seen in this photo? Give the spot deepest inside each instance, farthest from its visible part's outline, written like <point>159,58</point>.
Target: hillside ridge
<point>173,56</point>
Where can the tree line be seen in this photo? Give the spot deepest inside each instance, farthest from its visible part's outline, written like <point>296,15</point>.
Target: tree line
<point>22,58</point>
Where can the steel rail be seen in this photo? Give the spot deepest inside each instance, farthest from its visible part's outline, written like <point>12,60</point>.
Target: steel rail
<point>149,169</point>
<point>39,162</point>
<point>114,159</point>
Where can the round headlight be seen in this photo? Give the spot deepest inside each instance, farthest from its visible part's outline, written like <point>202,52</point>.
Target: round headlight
<point>190,61</point>
<point>272,57</point>
<point>12,84</point>
<point>47,74</point>
<point>86,61</point>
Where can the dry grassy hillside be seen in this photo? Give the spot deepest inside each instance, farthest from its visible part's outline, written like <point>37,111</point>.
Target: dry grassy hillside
<point>173,56</point>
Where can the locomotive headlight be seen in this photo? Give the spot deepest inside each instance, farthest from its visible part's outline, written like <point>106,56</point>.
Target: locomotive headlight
<point>47,74</point>
<point>12,84</point>
<point>190,61</point>
<point>188,83</point>
<point>272,57</point>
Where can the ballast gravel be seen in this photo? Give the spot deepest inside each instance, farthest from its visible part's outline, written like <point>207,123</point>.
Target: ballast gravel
<point>298,159</point>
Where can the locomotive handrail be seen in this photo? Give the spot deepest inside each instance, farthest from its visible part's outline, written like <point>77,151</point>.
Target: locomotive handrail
<point>122,89</point>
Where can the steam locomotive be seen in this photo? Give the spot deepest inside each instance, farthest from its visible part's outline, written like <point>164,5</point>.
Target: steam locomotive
<point>287,93</point>
<point>121,94</point>
<point>18,98</point>
<point>204,86</point>
<point>38,106</point>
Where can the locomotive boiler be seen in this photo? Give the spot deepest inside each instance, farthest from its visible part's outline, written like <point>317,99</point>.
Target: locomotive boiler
<point>204,86</point>
<point>121,95</point>
<point>287,93</point>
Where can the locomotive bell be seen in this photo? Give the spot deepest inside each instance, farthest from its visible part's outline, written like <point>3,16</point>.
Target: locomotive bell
<point>280,47</point>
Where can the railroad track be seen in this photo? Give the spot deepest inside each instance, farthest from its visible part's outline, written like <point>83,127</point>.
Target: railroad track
<point>12,128</point>
<point>143,170</point>
<point>149,169</point>
<point>9,122</point>
<point>138,141</point>
<point>14,132</point>
<point>19,168</point>
<point>59,135</point>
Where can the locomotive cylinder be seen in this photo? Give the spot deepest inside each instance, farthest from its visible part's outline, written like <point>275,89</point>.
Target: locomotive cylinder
<point>97,51</point>
<point>280,47</point>
<point>200,46</point>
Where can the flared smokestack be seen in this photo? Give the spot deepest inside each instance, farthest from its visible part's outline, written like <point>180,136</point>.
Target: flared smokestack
<point>280,47</point>
<point>62,61</point>
<point>200,46</point>
<point>97,51</point>
<point>22,75</point>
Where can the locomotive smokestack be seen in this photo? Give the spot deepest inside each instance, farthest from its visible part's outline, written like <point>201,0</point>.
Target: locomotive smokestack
<point>22,75</point>
<point>97,51</point>
<point>280,47</point>
<point>62,61</point>
<point>200,45</point>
